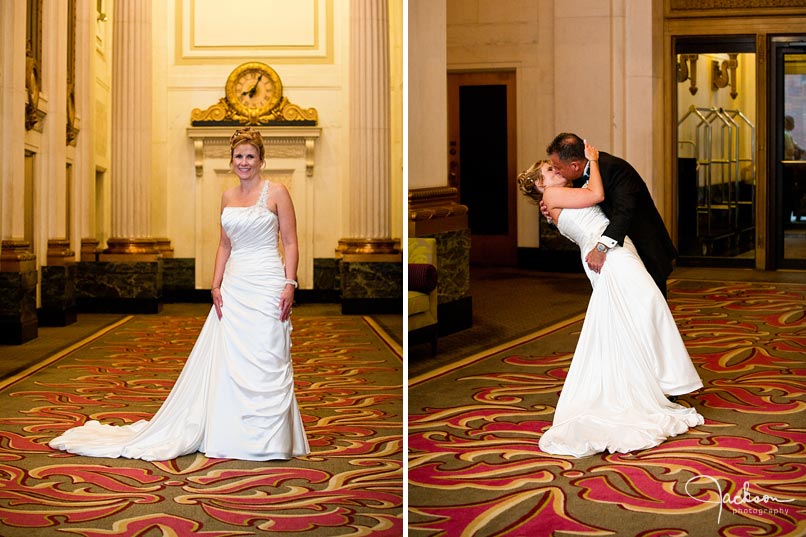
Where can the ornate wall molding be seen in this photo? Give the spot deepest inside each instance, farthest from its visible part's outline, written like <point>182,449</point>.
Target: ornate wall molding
<point>435,209</point>
<point>283,142</point>
<point>222,112</point>
<point>722,8</point>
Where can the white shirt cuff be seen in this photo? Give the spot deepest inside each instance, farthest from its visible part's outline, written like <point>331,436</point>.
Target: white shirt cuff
<point>607,241</point>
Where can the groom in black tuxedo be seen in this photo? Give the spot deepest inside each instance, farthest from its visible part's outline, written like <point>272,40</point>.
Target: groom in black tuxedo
<point>627,204</point>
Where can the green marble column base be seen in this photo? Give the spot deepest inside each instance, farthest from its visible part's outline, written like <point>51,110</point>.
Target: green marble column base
<point>18,321</point>
<point>120,287</point>
<point>58,295</point>
<point>455,310</point>
<point>179,281</point>
<point>326,283</point>
<point>371,287</point>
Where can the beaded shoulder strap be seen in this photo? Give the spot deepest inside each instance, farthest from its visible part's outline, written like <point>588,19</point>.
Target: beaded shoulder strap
<point>264,195</point>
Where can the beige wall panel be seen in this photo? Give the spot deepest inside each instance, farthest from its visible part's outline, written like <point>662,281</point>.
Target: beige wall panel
<point>256,29</point>
<point>254,24</point>
<point>427,95</point>
<point>583,89</point>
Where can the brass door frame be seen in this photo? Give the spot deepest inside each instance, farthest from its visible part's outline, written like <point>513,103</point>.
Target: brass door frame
<point>705,24</point>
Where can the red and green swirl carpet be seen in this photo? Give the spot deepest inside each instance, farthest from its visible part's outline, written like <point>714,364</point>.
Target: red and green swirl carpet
<point>475,468</point>
<point>348,384</point>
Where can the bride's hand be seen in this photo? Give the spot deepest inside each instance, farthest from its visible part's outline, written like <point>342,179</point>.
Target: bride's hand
<point>218,302</point>
<point>591,153</point>
<point>545,210</point>
<point>286,301</point>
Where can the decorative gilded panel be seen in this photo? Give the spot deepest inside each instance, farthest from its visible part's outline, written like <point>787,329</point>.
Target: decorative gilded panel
<point>722,8</point>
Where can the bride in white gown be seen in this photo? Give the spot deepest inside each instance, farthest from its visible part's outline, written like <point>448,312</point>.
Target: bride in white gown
<point>235,396</point>
<point>629,352</point>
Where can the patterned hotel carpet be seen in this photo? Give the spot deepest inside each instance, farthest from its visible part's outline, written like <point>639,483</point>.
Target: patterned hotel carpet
<point>348,384</point>
<point>475,467</point>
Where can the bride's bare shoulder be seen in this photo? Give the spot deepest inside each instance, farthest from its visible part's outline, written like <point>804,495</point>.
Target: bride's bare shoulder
<point>277,187</point>
<point>228,196</point>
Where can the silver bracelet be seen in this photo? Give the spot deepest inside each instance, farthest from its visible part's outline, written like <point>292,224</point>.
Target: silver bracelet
<point>289,281</point>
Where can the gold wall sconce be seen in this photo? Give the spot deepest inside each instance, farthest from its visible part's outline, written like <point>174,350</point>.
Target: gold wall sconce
<point>725,74</point>
<point>687,70</point>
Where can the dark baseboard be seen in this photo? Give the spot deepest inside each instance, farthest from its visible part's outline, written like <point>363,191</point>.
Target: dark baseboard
<point>202,296</point>
<point>56,316</point>
<point>353,306</point>
<point>715,262</point>
<point>317,296</point>
<point>119,305</point>
<point>15,332</point>
<point>544,260</point>
<point>188,296</point>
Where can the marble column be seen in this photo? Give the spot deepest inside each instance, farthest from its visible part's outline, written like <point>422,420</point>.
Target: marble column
<point>83,216</point>
<point>371,272</point>
<point>128,274</point>
<point>58,272</point>
<point>130,163</point>
<point>12,119</point>
<point>18,275</point>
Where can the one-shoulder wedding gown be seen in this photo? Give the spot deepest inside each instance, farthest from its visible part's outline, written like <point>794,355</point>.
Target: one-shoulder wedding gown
<point>235,396</point>
<point>629,355</point>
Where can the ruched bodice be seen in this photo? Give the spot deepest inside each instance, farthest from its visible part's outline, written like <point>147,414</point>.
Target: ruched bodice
<point>252,232</point>
<point>254,263</point>
<point>583,227</point>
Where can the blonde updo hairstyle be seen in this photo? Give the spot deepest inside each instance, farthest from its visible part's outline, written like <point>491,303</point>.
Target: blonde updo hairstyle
<point>530,181</point>
<point>246,136</point>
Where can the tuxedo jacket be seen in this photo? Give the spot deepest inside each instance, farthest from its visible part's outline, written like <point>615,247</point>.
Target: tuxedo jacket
<point>632,212</point>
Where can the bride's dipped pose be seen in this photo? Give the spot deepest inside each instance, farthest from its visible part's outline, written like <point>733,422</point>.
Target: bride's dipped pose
<point>235,396</point>
<point>630,354</point>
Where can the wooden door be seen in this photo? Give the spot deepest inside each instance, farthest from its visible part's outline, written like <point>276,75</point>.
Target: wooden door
<point>482,161</point>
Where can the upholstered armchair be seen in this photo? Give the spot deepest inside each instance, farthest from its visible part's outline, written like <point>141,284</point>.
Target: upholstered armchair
<point>422,291</point>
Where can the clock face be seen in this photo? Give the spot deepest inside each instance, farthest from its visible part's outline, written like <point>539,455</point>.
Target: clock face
<point>254,89</point>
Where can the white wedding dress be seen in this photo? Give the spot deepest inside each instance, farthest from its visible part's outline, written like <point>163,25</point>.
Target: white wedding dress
<point>235,396</point>
<point>629,355</point>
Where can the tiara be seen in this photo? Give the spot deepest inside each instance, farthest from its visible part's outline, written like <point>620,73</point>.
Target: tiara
<point>246,134</point>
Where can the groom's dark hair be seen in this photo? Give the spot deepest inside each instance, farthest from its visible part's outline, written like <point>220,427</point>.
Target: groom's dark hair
<point>568,146</point>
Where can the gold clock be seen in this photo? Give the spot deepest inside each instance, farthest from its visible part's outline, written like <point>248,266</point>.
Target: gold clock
<point>253,90</point>
<point>253,95</point>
